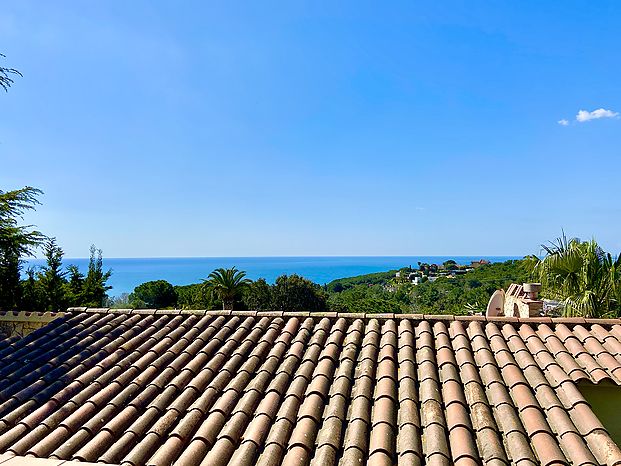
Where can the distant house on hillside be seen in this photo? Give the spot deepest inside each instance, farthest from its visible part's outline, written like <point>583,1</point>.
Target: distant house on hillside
<point>479,263</point>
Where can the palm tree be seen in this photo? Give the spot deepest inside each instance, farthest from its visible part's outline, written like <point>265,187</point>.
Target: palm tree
<point>227,284</point>
<point>581,275</point>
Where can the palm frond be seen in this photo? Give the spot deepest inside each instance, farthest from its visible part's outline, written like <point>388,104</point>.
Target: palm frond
<point>581,275</point>
<point>227,284</point>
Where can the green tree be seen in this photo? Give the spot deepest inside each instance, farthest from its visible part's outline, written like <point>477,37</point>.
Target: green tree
<point>258,296</point>
<point>155,294</point>
<point>6,76</point>
<point>581,275</point>
<point>296,293</point>
<point>32,297</point>
<point>52,277</point>
<point>74,287</point>
<point>450,265</point>
<point>95,287</point>
<point>227,284</point>
<point>16,241</point>
<point>195,296</point>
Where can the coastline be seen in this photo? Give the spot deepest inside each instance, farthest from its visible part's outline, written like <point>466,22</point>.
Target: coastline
<point>128,273</point>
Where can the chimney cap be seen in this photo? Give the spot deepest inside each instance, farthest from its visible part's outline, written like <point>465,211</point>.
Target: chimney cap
<point>532,287</point>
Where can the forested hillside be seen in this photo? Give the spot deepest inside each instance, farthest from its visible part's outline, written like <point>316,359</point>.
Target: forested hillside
<point>457,295</point>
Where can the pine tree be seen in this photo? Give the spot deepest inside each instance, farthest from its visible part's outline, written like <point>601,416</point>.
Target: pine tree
<point>95,288</point>
<point>32,299</point>
<point>74,288</point>
<point>52,277</point>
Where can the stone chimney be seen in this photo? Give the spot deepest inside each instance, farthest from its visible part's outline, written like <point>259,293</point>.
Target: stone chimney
<point>522,300</point>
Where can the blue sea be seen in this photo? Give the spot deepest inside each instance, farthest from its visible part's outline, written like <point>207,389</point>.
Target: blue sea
<point>128,273</point>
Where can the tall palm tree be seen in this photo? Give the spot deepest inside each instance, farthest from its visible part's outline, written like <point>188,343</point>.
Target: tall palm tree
<point>581,275</point>
<point>227,284</point>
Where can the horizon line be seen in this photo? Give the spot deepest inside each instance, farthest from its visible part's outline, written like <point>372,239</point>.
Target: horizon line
<point>297,256</point>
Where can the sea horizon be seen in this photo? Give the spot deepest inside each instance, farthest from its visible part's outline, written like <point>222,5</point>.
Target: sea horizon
<point>129,272</point>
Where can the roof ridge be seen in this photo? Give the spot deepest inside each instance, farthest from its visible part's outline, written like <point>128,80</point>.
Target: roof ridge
<point>351,315</point>
<point>7,315</point>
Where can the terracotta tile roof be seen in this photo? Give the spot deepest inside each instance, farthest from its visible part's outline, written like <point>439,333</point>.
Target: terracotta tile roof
<point>213,388</point>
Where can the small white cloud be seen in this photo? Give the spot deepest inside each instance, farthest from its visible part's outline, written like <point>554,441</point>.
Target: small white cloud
<point>563,122</point>
<point>584,115</point>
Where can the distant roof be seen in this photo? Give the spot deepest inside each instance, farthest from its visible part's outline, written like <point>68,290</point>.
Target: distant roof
<point>146,387</point>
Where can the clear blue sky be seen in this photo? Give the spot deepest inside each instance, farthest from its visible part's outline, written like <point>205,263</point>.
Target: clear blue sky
<point>314,128</point>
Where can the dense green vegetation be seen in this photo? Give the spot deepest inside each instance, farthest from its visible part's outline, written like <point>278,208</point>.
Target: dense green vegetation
<point>195,296</point>
<point>379,278</point>
<point>457,295</point>
<point>157,294</point>
<point>373,293</point>
<point>469,292</point>
<point>296,293</point>
<point>288,293</point>
<point>51,287</point>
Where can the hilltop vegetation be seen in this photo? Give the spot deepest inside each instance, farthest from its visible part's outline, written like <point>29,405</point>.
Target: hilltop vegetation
<point>469,292</point>
<point>378,278</point>
<point>383,293</point>
<point>372,293</point>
